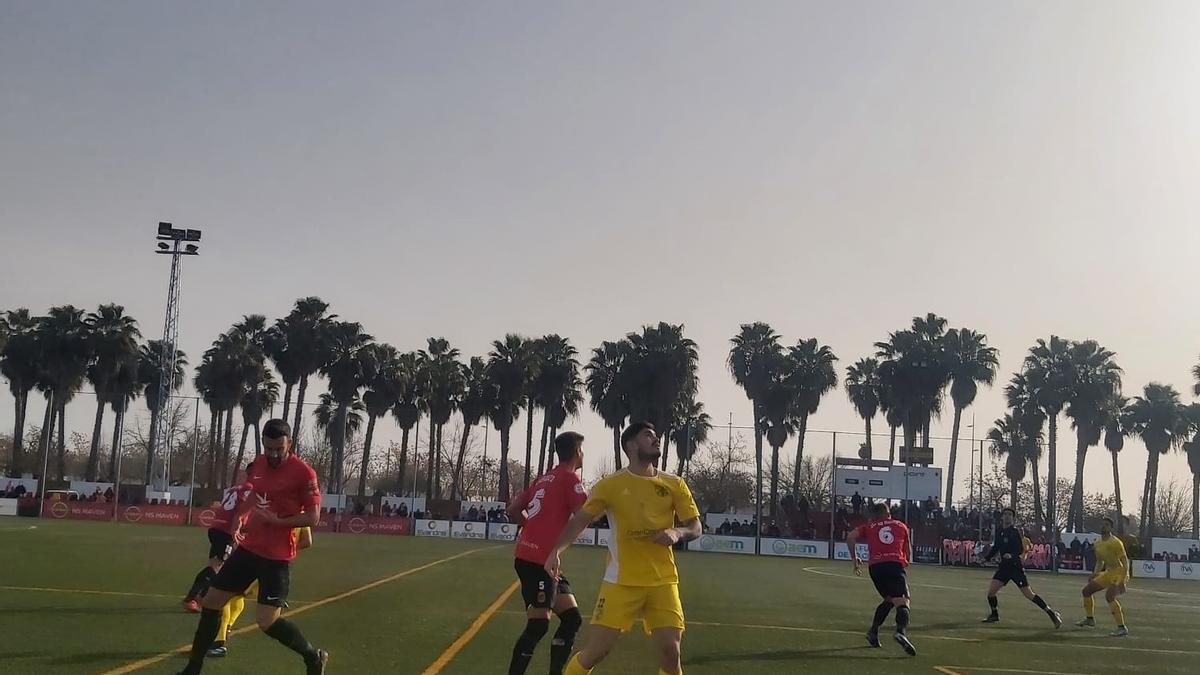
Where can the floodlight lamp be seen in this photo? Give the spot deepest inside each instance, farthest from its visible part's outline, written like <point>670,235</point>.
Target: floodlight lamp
<point>162,246</point>
<point>191,248</point>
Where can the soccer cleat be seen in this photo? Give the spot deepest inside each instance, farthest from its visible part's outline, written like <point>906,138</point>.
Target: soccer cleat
<point>1121,631</point>
<point>217,651</point>
<point>908,647</point>
<point>1089,622</point>
<point>873,638</point>
<point>991,618</point>
<point>191,606</point>
<point>316,665</point>
<point>1057,619</point>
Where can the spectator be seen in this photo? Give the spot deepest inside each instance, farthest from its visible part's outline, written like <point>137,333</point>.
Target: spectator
<point>773,530</point>
<point>473,513</point>
<point>402,511</point>
<point>856,502</point>
<point>108,494</point>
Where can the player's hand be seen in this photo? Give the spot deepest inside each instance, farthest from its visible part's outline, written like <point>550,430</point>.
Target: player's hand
<point>667,537</point>
<point>553,564</point>
<point>239,537</point>
<point>857,567</point>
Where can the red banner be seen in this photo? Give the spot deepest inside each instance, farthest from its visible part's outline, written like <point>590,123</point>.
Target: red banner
<point>326,523</point>
<point>376,525</point>
<point>155,514</point>
<point>77,510</point>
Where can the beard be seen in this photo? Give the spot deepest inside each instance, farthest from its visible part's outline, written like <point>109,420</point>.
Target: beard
<point>649,456</point>
<point>274,461</point>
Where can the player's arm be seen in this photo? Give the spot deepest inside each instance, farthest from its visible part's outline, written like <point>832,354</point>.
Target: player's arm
<point>993,548</point>
<point>305,538</point>
<point>852,543</point>
<point>687,513</point>
<point>593,508</point>
<point>516,510</point>
<point>1122,558</point>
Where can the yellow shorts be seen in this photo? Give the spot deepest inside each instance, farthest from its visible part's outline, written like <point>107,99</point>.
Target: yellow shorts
<point>1109,579</point>
<point>618,606</point>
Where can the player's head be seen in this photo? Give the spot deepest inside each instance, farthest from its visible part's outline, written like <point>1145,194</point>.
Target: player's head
<point>277,441</point>
<point>569,448</point>
<point>881,511</point>
<point>1106,526</point>
<point>1008,517</point>
<point>640,441</point>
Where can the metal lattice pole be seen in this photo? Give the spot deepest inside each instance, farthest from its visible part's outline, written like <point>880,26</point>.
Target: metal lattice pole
<point>166,381</point>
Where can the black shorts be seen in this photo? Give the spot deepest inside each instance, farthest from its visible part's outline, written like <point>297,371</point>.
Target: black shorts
<point>1011,571</point>
<point>538,588</point>
<point>220,544</point>
<point>244,568</point>
<point>890,580</point>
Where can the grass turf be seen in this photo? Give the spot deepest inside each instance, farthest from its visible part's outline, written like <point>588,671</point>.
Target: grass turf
<point>744,614</point>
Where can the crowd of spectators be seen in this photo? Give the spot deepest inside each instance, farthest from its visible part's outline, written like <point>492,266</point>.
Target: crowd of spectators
<point>1193,555</point>
<point>13,490</point>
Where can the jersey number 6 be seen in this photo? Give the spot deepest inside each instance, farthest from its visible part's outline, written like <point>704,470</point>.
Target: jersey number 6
<point>885,535</point>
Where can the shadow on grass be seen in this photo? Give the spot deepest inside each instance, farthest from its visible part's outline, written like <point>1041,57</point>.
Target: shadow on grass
<point>863,652</point>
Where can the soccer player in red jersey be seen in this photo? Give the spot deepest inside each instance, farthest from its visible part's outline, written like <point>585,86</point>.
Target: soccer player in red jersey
<point>890,549</point>
<point>229,517</point>
<point>285,496</point>
<point>543,510</point>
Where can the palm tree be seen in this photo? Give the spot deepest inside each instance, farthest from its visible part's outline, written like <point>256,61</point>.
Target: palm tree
<point>778,419</point>
<point>1096,378</point>
<point>381,396</point>
<point>443,381</point>
<point>260,394</point>
<point>305,334</point>
<point>604,390</point>
<point>276,347</point>
<point>1116,423</point>
<point>753,358</point>
<point>913,373</point>
<point>1009,441</point>
<point>568,406</point>
<point>342,421</point>
<point>970,362</point>
<point>864,389</point>
<point>557,371</point>
<point>1192,448</point>
<point>659,374</point>
<point>64,355</point>
<point>112,337</point>
<point>123,388</point>
<point>149,374</point>
<point>205,383</point>
<point>811,375</point>
<point>1029,415</point>
<point>472,405</point>
<point>691,431</point>
<point>407,411</point>
<point>1196,375</point>
<point>1159,418</point>
<point>348,368</point>
<point>508,369</point>
<point>1050,373</point>
<point>19,365</point>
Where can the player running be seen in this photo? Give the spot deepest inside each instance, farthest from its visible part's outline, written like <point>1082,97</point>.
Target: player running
<point>233,609</point>
<point>1111,576</point>
<point>229,517</point>
<point>1012,547</point>
<point>641,579</point>
<point>285,497</point>
<point>542,511</point>
<point>889,548</point>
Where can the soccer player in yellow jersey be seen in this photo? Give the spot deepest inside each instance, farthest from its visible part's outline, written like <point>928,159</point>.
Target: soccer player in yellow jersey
<point>643,505</point>
<point>1111,576</point>
<point>233,609</point>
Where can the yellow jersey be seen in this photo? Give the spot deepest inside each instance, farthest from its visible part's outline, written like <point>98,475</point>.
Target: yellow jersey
<point>638,507</point>
<point>1111,557</point>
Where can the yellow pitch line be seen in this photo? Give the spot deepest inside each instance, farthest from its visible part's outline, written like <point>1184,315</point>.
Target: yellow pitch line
<point>138,665</point>
<point>946,671</point>
<point>469,634</point>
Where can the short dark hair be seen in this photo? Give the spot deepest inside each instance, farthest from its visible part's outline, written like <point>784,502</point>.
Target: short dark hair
<point>880,509</point>
<point>567,444</point>
<point>633,430</point>
<point>1012,511</point>
<point>277,428</point>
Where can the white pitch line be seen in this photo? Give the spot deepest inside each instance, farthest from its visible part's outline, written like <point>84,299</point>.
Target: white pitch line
<point>813,570</point>
<point>954,669</point>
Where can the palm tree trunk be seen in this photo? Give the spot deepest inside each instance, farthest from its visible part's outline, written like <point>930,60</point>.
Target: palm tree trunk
<point>429,464</point>
<point>151,449</point>
<point>1052,483</point>
<point>214,424</point>
<point>366,458</point>
<point>1143,525</point>
<point>542,451</point>
<point>1038,512</point>
<point>892,446</point>
<point>94,454</point>
<point>61,456</point>
<point>758,476</point>
<point>116,449</point>
<point>870,448</point>
<point>1196,506</point>
<point>953,456</point>
<point>1012,497</point>
<point>403,461</point>
<point>227,447</point>
<point>1117,494</point>
<point>528,444</point>
<point>666,448</point>
<point>551,458</point>
<point>45,439</point>
<point>616,448</point>
<point>437,464</point>
<point>241,456</point>
<point>257,439</point>
<point>303,389</point>
<point>502,489</point>
<point>774,480</point>
<point>1153,498</point>
<point>800,433</point>
<point>18,459</point>
<point>1075,516</point>
<point>456,482</point>
<point>287,401</point>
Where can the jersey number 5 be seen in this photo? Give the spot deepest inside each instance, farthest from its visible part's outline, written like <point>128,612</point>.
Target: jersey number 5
<point>885,535</point>
<point>535,504</point>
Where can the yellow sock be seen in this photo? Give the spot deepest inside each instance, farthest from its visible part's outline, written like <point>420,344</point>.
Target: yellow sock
<point>575,668</point>
<point>1117,612</point>
<point>1089,606</point>
<point>229,616</point>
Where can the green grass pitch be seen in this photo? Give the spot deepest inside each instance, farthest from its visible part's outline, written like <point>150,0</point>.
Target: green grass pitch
<point>79,597</point>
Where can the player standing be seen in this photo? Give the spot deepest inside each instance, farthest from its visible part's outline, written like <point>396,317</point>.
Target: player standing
<point>1111,576</point>
<point>641,579</point>
<point>1012,547</point>
<point>889,550</point>
<point>285,497</point>
<point>225,524</point>
<point>543,510</point>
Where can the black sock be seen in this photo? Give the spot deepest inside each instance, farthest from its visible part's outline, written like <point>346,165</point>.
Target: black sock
<point>522,653</point>
<point>902,620</point>
<point>206,632</point>
<point>564,640</point>
<point>200,584</point>
<point>881,615</point>
<point>994,603</point>
<point>1037,600</point>
<point>289,635</point>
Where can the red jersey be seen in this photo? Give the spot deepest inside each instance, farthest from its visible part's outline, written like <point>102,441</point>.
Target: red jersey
<point>887,541</point>
<point>287,490</point>
<point>548,502</point>
<point>230,514</point>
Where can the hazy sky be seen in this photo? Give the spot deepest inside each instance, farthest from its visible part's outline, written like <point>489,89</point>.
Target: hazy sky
<point>470,169</point>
